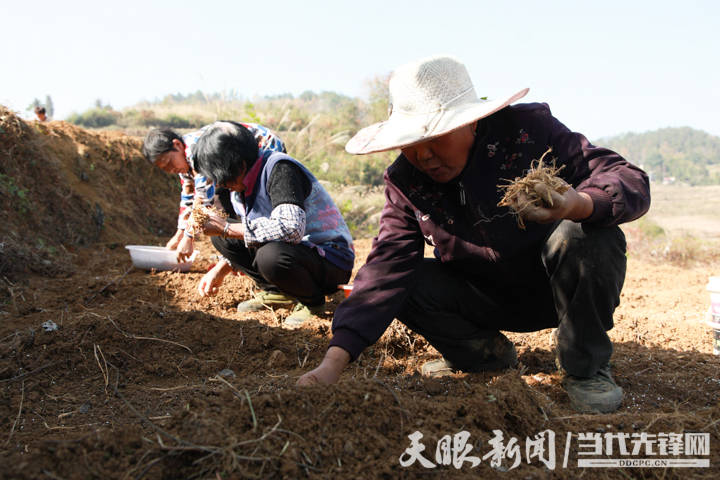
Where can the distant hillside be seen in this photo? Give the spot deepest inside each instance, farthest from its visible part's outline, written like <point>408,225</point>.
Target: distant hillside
<point>315,127</point>
<point>672,155</point>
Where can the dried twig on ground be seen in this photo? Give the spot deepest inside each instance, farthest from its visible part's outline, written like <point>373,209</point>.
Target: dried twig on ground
<point>27,374</point>
<point>104,370</point>
<point>236,392</point>
<point>22,398</point>
<point>137,337</point>
<point>520,194</point>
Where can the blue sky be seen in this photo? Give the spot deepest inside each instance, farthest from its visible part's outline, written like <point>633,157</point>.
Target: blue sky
<point>604,67</point>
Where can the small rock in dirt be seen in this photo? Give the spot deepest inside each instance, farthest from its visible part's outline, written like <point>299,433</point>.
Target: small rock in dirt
<point>226,372</point>
<point>276,358</point>
<point>49,326</point>
<point>84,408</point>
<point>433,387</point>
<point>349,447</point>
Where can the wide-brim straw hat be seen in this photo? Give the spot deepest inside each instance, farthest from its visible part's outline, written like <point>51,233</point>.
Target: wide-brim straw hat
<point>428,98</point>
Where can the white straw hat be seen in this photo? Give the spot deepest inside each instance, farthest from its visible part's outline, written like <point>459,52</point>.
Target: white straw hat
<point>428,98</point>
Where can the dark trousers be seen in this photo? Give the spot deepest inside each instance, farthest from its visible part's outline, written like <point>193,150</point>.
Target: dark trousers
<point>293,269</point>
<point>573,284</point>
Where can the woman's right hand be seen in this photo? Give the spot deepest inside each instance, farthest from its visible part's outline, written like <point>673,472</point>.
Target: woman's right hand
<point>211,281</point>
<point>329,370</point>
<point>184,249</point>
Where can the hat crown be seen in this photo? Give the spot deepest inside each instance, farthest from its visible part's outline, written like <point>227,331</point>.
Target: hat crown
<point>429,85</point>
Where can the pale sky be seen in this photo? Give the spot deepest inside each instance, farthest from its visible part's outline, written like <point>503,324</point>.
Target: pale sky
<point>605,67</point>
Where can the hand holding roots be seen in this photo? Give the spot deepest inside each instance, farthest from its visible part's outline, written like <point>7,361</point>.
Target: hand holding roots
<point>534,189</point>
<point>199,216</point>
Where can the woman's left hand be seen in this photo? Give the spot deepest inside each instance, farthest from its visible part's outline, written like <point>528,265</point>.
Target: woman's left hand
<point>214,225</point>
<point>571,205</point>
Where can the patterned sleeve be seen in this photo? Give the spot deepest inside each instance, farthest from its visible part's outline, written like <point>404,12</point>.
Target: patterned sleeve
<point>187,194</point>
<point>267,141</point>
<point>193,183</point>
<point>286,223</point>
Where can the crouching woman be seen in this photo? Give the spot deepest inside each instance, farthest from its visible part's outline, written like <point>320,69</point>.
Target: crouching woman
<point>283,229</point>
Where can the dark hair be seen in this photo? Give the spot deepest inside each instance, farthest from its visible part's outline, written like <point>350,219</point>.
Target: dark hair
<point>157,142</point>
<point>39,109</point>
<point>224,151</point>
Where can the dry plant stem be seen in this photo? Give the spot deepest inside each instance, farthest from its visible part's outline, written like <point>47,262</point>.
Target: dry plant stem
<point>72,427</point>
<point>137,337</point>
<point>148,466</point>
<point>156,428</point>
<point>27,374</point>
<point>170,389</point>
<point>22,399</point>
<point>52,475</point>
<point>237,393</point>
<point>104,371</point>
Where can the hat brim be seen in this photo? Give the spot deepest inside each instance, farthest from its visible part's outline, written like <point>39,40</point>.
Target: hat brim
<point>403,130</point>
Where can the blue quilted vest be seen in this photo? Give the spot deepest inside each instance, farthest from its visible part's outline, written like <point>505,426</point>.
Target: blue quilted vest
<point>325,228</point>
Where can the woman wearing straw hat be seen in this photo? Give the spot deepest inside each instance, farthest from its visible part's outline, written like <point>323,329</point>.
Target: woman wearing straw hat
<point>564,270</point>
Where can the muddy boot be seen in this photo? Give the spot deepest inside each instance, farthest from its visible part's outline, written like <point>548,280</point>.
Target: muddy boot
<point>496,353</point>
<point>598,393</point>
<point>301,314</point>
<point>263,300</point>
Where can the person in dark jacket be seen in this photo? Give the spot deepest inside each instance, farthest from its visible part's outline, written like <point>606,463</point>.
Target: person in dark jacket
<point>564,270</point>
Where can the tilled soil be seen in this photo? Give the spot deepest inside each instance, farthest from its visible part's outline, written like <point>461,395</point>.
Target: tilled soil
<point>111,372</point>
<point>144,379</point>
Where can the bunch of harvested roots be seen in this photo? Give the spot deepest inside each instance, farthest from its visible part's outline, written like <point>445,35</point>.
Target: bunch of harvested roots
<point>199,215</point>
<point>520,194</point>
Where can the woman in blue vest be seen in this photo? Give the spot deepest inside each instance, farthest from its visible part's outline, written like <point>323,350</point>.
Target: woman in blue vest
<point>283,231</point>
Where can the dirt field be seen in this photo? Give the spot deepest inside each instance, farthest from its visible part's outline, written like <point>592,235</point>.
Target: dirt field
<point>143,379</point>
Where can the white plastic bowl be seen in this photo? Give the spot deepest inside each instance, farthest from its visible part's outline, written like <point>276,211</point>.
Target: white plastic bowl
<point>148,257</point>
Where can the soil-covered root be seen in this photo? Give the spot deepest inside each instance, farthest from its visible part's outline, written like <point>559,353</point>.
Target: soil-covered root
<point>521,194</point>
<point>199,216</point>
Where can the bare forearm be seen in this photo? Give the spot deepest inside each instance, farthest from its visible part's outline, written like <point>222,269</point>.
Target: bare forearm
<point>235,230</point>
<point>329,370</point>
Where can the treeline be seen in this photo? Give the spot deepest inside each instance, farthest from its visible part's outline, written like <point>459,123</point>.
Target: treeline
<point>672,155</point>
<point>316,126</point>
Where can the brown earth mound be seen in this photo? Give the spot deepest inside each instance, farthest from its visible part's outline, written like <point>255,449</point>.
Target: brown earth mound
<point>64,187</point>
<point>143,379</point>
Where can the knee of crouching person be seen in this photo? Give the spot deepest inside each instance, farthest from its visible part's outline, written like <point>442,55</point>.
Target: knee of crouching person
<point>272,262</point>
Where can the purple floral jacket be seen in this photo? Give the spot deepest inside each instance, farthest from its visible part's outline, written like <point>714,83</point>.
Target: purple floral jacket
<point>462,221</point>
